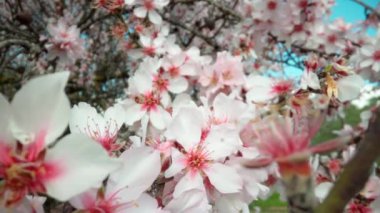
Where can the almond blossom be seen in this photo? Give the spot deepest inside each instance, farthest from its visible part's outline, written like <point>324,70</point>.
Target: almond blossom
<point>28,166</point>
<point>103,129</point>
<point>144,99</point>
<point>262,89</point>
<point>65,43</point>
<point>371,55</point>
<point>124,190</point>
<point>200,154</point>
<point>149,7</point>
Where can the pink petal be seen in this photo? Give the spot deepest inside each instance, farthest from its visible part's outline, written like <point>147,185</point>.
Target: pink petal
<point>81,164</point>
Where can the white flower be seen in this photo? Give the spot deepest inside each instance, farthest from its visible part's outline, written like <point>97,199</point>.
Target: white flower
<point>37,116</point>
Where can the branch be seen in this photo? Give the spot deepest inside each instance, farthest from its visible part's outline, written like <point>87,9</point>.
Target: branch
<point>366,6</point>
<point>356,172</point>
<point>193,31</point>
<point>225,9</point>
<point>25,43</point>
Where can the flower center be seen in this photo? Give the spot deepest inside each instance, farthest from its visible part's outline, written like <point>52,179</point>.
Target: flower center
<point>197,159</point>
<point>149,5</point>
<point>376,55</point>
<point>149,101</point>
<point>149,51</point>
<point>282,87</point>
<point>173,71</point>
<point>272,5</point>
<point>160,83</point>
<point>22,176</point>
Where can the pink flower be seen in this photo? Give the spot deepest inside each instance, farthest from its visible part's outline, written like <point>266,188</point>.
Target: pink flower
<point>145,100</point>
<point>101,128</point>
<point>262,89</point>
<point>149,7</point>
<point>65,43</point>
<point>229,69</point>
<point>124,190</point>
<point>37,116</point>
<point>199,155</point>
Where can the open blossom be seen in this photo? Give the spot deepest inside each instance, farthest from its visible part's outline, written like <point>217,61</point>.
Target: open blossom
<point>101,128</point>
<point>144,99</point>
<point>124,190</point>
<point>65,43</point>
<point>345,88</point>
<point>37,116</point>
<point>371,55</point>
<point>227,71</point>
<point>200,155</point>
<point>149,7</point>
<point>262,89</point>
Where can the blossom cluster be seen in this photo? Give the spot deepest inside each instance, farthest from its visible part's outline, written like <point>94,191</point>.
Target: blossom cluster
<point>194,130</point>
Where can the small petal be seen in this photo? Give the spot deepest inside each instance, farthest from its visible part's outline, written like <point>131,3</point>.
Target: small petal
<point>186,127</point>
<point>177,164</point>
<point>178,85</point>
<point>140,12</point>
<point>159,117</point>
<point>154,17</point>
<point>5,116</point>
<point>349,87</point>
<point>141,166</point>
<point>225,179</point>
<point>322,190</point>
<point>133,112</point>
<point>188,182</point>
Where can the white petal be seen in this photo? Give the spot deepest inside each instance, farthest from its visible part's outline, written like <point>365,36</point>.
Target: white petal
<point>188,182</point>
<point>322,190</point>
<point>140,12</point>
<point>225,179</point>
<point>178,85</point>
<point>366,63</point>
<point>146,41</point>
<point>141,166</point>
<point>129,2</point>
<point>133,112</point>
<point>260,88</point>
<point>367,51</point>
<point>154,17</point>
<point>186,127</point>
<point>144,204</point>
<point>189,202</point>
<point>177,163</point>
<point>85,200</point>
<point>83,117</point>
<point>81,163</point>
<point>222,142</point>
<point>228,108</point>
<point>41,105</point>
<point>143,81</point>
<point>349,87</point>
<point>376,66</point>
<point>310,79</point>
<point>115,115</point>
<point>159,117</point>
<point>5,116</point>
<point>189,69</point>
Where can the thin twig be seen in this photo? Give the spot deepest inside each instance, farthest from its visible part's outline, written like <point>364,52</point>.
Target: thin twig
<point>366,6</point>
<point>225,9</point>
